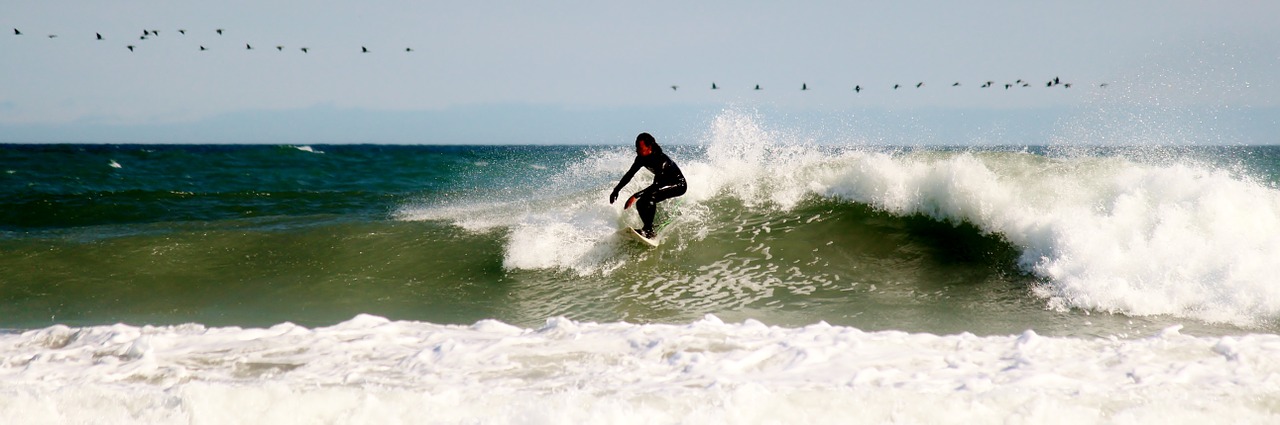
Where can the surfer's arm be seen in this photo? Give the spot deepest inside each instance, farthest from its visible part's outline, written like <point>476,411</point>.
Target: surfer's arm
<point>626,178</point>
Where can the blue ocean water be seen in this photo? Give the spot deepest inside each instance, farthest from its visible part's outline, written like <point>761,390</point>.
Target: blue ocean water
<point>207,273</point>
<point>919,239</point>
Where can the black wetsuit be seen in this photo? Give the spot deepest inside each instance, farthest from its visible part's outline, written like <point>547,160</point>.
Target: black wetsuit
<point>668,182</point>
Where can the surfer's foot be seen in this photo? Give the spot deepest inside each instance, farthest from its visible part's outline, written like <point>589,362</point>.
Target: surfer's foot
<point>647,233</point>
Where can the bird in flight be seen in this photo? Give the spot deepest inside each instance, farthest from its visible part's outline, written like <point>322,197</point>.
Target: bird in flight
<point>98,34</point>
<point>673,88</point>
<point>713,86</point>
<point>804,86</point>
<point>408,49</point>
<point>364,49</point>
<point>919,84</point>
<point>280,48</point>
<point>857,89</point>
<point>248,47</point>
<point>16,32</point>
<point>304,50</point>
<point>219,30</point>
<point>130,47</point>
<point>183,32</point>
<point>202,48</point>
<point>757,87</point>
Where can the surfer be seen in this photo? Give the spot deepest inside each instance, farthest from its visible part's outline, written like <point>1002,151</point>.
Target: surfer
<point>668,182</point>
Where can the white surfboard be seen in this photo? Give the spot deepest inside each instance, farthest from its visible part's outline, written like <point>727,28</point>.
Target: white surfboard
<point>653,243</point>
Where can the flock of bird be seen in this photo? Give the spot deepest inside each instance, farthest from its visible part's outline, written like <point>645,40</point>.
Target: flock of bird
<point>149,34</point>
<point>1055,82</point>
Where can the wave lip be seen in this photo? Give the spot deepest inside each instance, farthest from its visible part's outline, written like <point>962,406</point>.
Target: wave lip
<point>373,369</point>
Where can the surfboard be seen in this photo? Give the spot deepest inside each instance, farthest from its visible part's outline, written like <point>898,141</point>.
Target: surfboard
<point>665,217</point>
<point>653,243</point>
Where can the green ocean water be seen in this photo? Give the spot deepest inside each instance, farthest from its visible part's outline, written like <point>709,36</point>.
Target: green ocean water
<point>256,235</point>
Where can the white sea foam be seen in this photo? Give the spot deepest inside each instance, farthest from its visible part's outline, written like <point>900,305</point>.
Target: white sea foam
<point>371,370</point>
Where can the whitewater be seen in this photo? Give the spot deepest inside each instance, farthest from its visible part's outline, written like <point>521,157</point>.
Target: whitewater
<point>372,370</point>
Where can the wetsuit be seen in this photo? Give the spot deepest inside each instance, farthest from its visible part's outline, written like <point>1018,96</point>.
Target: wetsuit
<point>668,182</point>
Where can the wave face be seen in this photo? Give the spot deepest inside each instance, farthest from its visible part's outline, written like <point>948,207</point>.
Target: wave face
<point>1141,232</point>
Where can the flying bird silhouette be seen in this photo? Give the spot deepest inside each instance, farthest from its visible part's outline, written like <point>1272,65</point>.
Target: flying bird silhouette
<point>280,48</point>
<point>857,89</point>
<point>919,84</point>
<point>304,50</point>
<point>130,47</point>
<point>248,47</point>
<point>956,84</point>
<point>98,34</point>
<point>757,87</point>
<point>895,86</point>
<point>53,36</point>
<point>713,86</point>
<point>408,49</point>
<point>183,32</point>
<point>804,86</point>
<point>202,48</point>
<point>16,32</point>
<point>673,88</point>
<point>364,49</point>
<point>219,30</point>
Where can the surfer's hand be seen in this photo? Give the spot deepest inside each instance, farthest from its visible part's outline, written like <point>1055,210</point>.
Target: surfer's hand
<point>613,197</point>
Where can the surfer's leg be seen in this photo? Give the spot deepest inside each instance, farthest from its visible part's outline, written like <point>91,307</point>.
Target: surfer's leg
<point>648,208</point>
<point>647,204</point>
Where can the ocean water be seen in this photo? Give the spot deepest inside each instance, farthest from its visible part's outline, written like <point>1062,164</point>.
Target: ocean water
<point>799,282</point>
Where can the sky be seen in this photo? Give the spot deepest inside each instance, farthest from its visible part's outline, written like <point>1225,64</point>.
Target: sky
<point>591,71</point>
